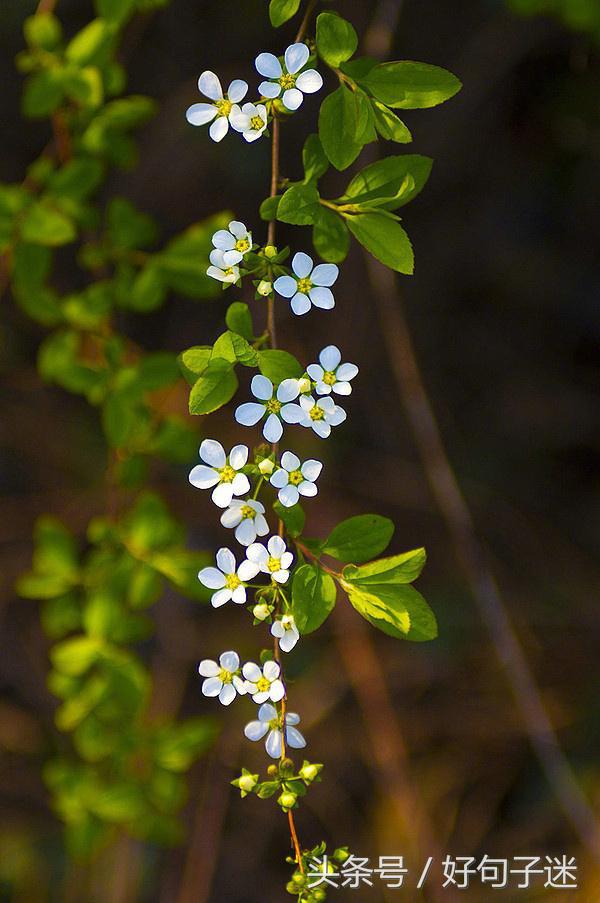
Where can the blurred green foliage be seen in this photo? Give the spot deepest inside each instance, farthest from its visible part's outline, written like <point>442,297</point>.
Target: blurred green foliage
<point>580,15</point>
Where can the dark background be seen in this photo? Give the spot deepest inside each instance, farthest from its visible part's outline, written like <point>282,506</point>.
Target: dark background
<point>503,311</point>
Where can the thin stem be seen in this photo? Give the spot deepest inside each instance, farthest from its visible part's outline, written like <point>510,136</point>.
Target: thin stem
<point>46,6</point>
<point>295,840</point>
<point>306,20</point>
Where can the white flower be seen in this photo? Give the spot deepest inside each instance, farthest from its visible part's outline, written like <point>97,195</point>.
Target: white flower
<point>286,78</point>
<point>265,684</point>
<point>222,679</point>
<point>222,472</point>
<point>274,559</point>
<point>218,269</point>
<point>320,415</point>
<point>269,723</point>
<point>228,579</point>
<point>251,120</point>
<point>234,243</point>
<point>286,632</point>
<point>330,374</point>
<point>310,284</point>
<point>222,107</point>
<point>248,519</point>
<point>274,404</point>
<point>294,479</point>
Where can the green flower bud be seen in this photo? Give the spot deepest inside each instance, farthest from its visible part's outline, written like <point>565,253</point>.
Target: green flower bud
<point>309,772</point>
<point>287,800</point>
<point>287,766</point>
<point>272,771</point>
<point>247,783</point>
<point>270,251</point>
<point>261,612</point>
<point>266,467</point>
<point>305,385</point>
<point>264,288</point>
<point>341,854</point>
<point>319,894</point>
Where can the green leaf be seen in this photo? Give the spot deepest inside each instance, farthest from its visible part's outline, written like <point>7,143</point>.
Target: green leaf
<point>84,86</point>
<point>268,208</point>
<point>91,44</point>
<point>77,179</point>
<point>216,386</point>
<point>148,290</point>
<point>389,183</point>
<point>184,261</point>
<point>31,267</point>
<point>128,228</point>
<point>314,159</point>
<point>330,236</point>
<point>239,319</point>
<point>389,616</point>
<point>76,655</point>
<point>336,39</point>
<point>358,68</point>
<point>43,224</point>
<point>313,597</point>
<point>389,126</point>
<point>194,361</point>
<point>145,587</point>
<point>117,11</point>
<point>293,517</point>
<point>42,31</point>
<point>408,85</point>
<point>299,205</point>
<point>385,239</point>
<point>360,538</point>
<point>282,10</point>
<point>179,745</point>
<point>396,569</point>
<point>343,123</point>
<point>128,112</point>
<point>279,365</point>
<point>43,94</point>
<point>235,349</point>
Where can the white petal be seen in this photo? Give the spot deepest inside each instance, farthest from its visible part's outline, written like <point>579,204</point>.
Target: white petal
<point>238,229</point>
<point>326,274</point>
<point>203,477</point>
<point>311,469</point>
<point>239,595</point>
<point>252,672</point>
<point>309,82</point>
<point>276,546</point>
<point>321,428</point>
<point>277,629</point>
<point>280,478</point>
<point>240,484</point>
<point>347,372</point>
<point>216,257</point>
<point>226,561</point>
<point>229,660</point>
<point>302,265</point>
<point>292,413</point>
<point>210,85</point>
<point>277,691</point>
<point>255,730</point>
<point>269,89</point>
<point>222,495</point>
<point>238,456</point>
<point>295,57</point>
<point>231,517</point>
<point>286,560</point>
<point>322,389</point>
<point>273,429</point>
<point>231,258</point>
<point>227,694</point>
<point>289,640</point>
<point>212,686</point>
<point>257,553</point>
<point>238,120</point>
<point>271,670</point>
<point>208,668</point>
<point>252,135</point>
<point>267,712</point>
<point>338,416</point>
<point>245,532</point>
<point>307,489</point>
<point>273,744</point>
<point>213,453</point>
<point>247,570</point>
<point>211,578</point>
<point>237,90</point>
<point>322,297</point>
<point>268,65</point>
<point>219,128</point>
<point>288,496</point>
<point>261,387</point>
<point>200,113</point>
<point>288,390</point>
<point>300,304</point>
<point>327,405</point>
<point>261,525</point>
<point>292,718</point>
<point>240,685</point>
<point>285,286</point>
<point>260,697</point>
<point>330,356</point>
<point>249,413</point>
<point>223,241</point>
<point>315,371</point>
<point>292,98</point>
<point>307,402</point>
<point>258,506</point>
<point>220,597</point>
<point>294,738</point>
<point>342,388</point>
<point>290,461</point>
<point>281,576</point>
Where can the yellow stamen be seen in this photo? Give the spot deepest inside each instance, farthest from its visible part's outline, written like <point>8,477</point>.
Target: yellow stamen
<point>247,511</point>
<point>316,413</point>
<point>227,474</point>
<point>232,581</point>
<point>296,477</point>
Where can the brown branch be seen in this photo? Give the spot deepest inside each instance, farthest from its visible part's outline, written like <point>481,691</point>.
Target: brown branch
<point>46,6</point>
<point>305,21</point>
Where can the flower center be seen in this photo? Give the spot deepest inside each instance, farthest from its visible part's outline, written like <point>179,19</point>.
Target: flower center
<point>224,106</point>
<point>262,684</point>
<point>242,245</point>
<point>228,271</point>
<point>316,413</point>
<point>225,676</point>
<point>329,378</point>
<point>274,564</point>
<point>296,477</point>
<point>232,581</point>
<point>304,286</point>
<point>247,511</point>
<point>273,406</point>
<point>257,123</point>
<point>227,474</point>
<point>287,81</point>
<point>287,622</point>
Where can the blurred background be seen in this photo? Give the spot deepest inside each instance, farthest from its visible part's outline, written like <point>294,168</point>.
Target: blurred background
<point>503,311</point>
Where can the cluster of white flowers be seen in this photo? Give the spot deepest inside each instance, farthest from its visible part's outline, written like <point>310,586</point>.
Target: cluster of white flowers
<point>287,80</point>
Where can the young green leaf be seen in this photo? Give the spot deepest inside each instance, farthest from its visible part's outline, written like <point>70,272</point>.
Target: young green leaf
<point>389,183</point>
<point>44,224</point>
<point>293,517</point>
<point>389,616</point>
<point>408,85</point>
<point>398,601</point>
<point>91,44</point>
<point>299,205</point>
<point>330,236</point>
<point>343,117</point>
<point>43,93</point>
<point>117,11</point>
<point>194,361</point>
<point>336,39</point>
<point>389,126</point>
<point>268,208</point>
<point>239,319</point>
<point>235,349</point>
<point>43,30</point>
<point>314,159</point>
<point>360,538</point>
<point>313,597</point>
<point>385,239</point>
<point>215,387</point>
<point>282,10</point>
<point>279,365</point>
<point>396,569</point>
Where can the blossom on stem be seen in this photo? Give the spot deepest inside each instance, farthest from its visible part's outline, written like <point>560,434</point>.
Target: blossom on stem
<point>274,404</point>
<point>286,78</point>
<point>265,684</point>
<point>284,628</point>
<point>247,517</point>
<point>309,285</point>
<point>222,106</point>
<point>234,242</point>
<point>219,270</point>
<point>227,579</point>
<point>268,722</point>
<point>320,415</point>
<point>294,479</point>
<point>330,375</point>
<point>222,679</point>
<point>274,559</point>
<point>221,471</point>
<point>251,120</point>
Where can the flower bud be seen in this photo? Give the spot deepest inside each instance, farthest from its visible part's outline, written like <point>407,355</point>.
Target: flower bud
<point>287,800</point>
<point>318,894</point>
<point>264,288</point>
<point>287,766</point>
<point>266,467</point>
<point>270,251</point>
<point>272,771</point>
<point>247,783</point>
<point>261,612</point>
<point>309,772</point>
<point>304,385</point>
<point>341,854</point>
